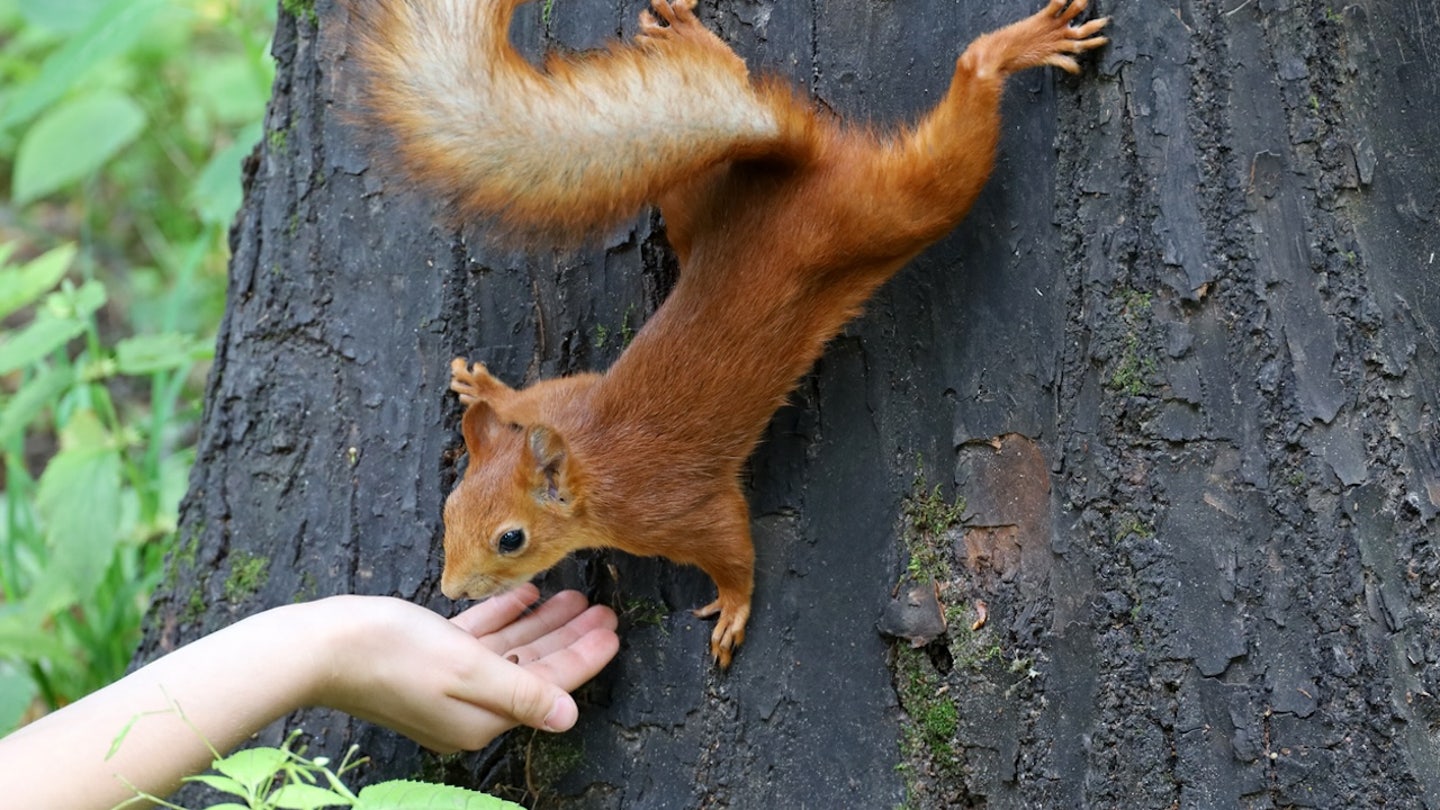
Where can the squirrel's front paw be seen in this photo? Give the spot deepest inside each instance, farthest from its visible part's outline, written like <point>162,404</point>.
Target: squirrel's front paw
<point>470,381</point>
<point>1050,37</point>
<point>678,15</point>
<point>729,631</point>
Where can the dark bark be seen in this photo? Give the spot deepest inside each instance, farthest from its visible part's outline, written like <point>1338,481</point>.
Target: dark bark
<point>1181,362</point>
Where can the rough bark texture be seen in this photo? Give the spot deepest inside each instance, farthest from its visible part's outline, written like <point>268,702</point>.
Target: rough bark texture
<point>1181,364</point>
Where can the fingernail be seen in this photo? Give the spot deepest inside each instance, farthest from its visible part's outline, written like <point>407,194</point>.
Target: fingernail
<point>562,715</point>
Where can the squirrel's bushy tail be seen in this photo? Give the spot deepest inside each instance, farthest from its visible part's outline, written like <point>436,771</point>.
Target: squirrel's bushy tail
<point>562,153</point>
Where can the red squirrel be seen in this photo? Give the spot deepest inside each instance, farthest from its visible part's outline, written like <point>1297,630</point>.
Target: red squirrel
<point>783,219</point>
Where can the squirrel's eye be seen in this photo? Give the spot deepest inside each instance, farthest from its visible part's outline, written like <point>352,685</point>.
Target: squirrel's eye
<point>511,541</point>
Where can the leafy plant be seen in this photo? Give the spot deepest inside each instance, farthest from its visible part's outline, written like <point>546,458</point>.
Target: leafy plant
<point>80,543</point>
<point>122,128</point>
<point>283,778</point>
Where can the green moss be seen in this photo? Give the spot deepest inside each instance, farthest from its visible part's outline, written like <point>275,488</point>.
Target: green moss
<point>194,607</point>
<point>182,565</point>
<point>928,519</point>
<point>278,139</point>
<point>300,9</point>
<point>548,758</point>
<point>248,574</point>
<point>975,651</point>
<point>308,588</point>
<point>934,718</point>
<point>1133,525</point>
<point>1134,370</point>
<point>627,329</point>
<point>442,769</point>
<point>1135,367</point>
<point>182,559</point>
<point>602,334</point>
<point>644,612</point>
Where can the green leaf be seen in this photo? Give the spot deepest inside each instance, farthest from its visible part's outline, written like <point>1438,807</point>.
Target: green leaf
<point>17,692</point>
<point>50,592</point>
<point>406,795</point>
<point>231,86</point>
<point>253,767</point>
<point>37,340</point>
<point>147,354</point>
<point>79,500</point>
<point>306,797</point>
<point>22,637</point>
<point>32,398</point>
<point>217,191</point>
<point>112,31</point>
<point>224,784</point>
<point>73,140</point>
<point>21,286</point>
<point>64,317</point>
<point>64,16</point>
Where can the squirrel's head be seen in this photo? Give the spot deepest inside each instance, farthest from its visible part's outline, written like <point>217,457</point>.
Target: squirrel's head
<point>515,512</point>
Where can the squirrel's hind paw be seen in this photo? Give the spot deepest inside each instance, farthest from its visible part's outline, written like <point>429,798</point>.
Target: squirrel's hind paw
<point>729,631</point>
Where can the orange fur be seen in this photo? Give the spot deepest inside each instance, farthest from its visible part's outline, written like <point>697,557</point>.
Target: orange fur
<point>784,223</point>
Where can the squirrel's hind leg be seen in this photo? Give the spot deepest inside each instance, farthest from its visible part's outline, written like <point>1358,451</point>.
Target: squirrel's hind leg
<point>727,553</point>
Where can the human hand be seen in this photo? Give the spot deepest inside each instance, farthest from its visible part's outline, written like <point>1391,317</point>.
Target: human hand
<point>458,684</point>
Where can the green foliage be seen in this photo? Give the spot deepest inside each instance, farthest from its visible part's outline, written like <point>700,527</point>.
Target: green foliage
<point>72,141</point>
<point>302,9</point>
<point>284,778</point>
<point>82,539</point>
<point>122,128</point>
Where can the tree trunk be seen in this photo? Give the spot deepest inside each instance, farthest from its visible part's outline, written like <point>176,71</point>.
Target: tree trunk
<point>1181,364</point>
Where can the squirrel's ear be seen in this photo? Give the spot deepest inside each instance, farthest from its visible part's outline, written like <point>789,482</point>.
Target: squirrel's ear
<point>479,426</point>
<point>552,462</point>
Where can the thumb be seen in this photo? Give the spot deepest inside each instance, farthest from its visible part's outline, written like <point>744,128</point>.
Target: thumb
<point>540,704</point>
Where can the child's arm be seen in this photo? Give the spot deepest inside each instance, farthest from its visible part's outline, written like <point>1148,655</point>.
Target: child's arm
<point>446,684</point>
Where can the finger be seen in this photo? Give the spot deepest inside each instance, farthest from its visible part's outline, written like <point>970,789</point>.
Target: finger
<point>597,617</point>
<point>581,660</point>
<point>557,610</point>
<point>536,695</point>
<point>463,727</point>
<point>517,694</point>
<point>498,611</point>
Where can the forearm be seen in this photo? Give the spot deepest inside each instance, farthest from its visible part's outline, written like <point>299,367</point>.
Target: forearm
<point>446,683</point>
<point>227,686</point>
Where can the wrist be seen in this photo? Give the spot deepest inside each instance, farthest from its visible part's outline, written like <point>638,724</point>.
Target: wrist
<point>308,639</point>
